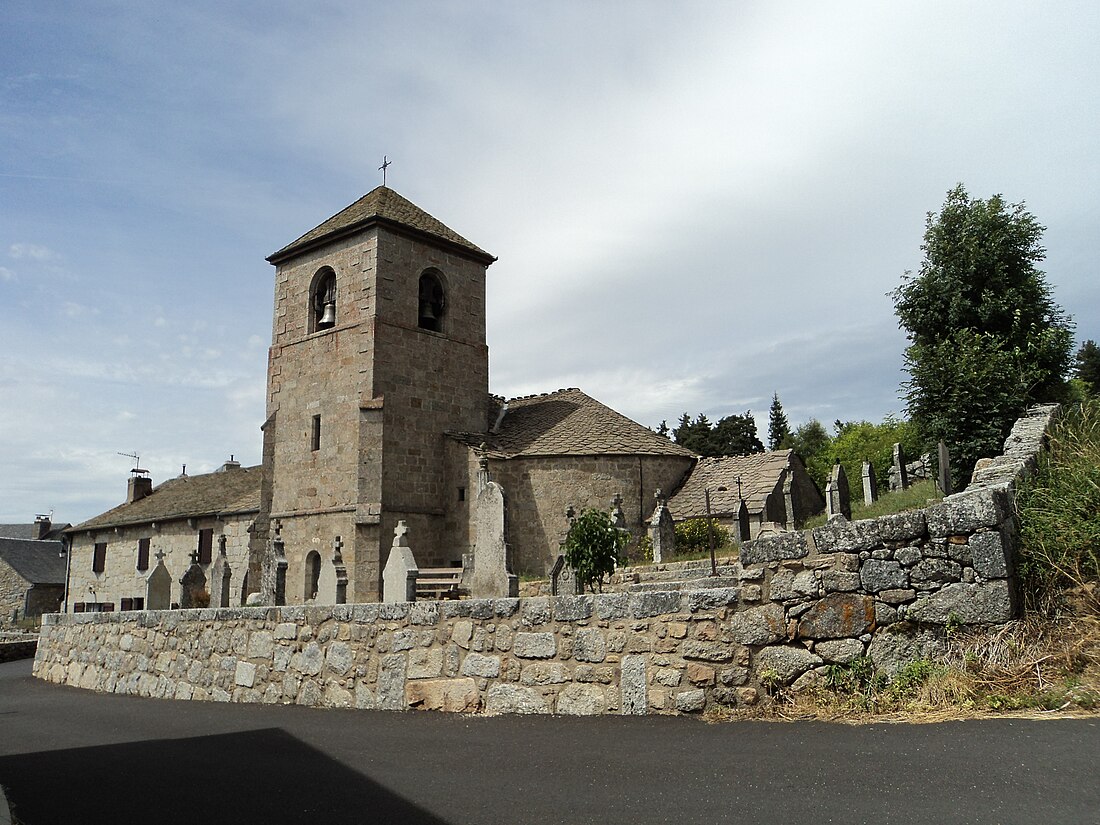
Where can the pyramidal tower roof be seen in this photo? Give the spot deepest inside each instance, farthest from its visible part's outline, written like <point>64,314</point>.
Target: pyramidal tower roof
<point>382,207</point>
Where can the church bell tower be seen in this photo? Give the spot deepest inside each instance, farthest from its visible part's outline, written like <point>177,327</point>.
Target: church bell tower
<point>378,350</point>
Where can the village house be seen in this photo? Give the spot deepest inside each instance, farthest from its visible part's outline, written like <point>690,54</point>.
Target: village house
<point>32,569</point>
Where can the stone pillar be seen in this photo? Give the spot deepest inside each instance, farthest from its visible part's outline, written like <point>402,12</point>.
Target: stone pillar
<point>870,484</point>
<point>399,575</point>
<point>490,578</point>
<point>790,522</point>
<point>945,469</point>
<point>662,532</point>
<point>837,494</point>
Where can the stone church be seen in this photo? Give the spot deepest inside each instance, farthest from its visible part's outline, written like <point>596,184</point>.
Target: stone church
<point>379,411</point>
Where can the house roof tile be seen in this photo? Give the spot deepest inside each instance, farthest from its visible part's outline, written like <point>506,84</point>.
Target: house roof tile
<point>222,492</point>
<point>381,206</point>
<point>759,473</point>
<point>36,561</point>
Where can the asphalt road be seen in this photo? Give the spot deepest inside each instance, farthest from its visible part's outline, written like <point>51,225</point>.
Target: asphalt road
<point>69,755</point>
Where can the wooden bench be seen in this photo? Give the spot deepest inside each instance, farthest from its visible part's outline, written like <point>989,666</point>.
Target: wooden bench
<point>438,583</point>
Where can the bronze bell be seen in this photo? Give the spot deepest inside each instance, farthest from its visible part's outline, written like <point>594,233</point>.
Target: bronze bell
<point>328,318</point>
<point>427,313</point>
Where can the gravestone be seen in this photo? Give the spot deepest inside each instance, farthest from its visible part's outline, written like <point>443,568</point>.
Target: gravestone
<point>870,484</point>
<point>945,469</point>
<point>743,530</point>
<point>563,579</point>
<point>193,591</point>
<point>490,578</point>
<point>838,499</point>
<point>399,576</point>
<point>220,575</point>
<point>662,531</point>
<point>617,517</point>
<point>158,587</point>
<point>899,475</point>
<point>278,551</point>
<point>341,571</point>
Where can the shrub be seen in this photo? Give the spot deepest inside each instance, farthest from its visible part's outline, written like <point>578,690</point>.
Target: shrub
<point>693,534</point>
<point>592,547</point>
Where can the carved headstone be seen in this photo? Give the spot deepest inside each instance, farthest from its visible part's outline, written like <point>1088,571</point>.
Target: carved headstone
<point>899,475</point>
<point>617,517</point>
<point>945,469</point>
<point>789,519</point>
<point>399,576</point>
<point>193,591</point>
<point>220,576</point>
<point>662,532</point>
<point>870,484</point>
<point>158,587</point>
<point>563,579</point>
<point>490,578</point>
<point>838,500</point>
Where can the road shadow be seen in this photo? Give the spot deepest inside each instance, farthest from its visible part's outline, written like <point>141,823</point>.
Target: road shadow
<point>260,776</point>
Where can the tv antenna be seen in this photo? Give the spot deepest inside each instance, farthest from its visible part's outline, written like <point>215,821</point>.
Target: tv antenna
<point>137,462</point>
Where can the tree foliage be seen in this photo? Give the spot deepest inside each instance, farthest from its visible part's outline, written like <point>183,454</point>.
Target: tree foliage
<point>986,338</point>
<point>811,441</point>
<point>732,435</point>
<point>859,441</point>
<point>1087,366</point>
<point>592,547</point>
<point>779,429</point>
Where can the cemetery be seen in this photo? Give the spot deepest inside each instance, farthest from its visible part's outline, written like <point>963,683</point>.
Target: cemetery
<point>670,641</point>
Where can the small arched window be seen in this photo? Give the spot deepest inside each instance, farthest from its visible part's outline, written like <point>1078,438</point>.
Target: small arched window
<point>433,302</point>
<point>313,574</point>
<point>322,300</point>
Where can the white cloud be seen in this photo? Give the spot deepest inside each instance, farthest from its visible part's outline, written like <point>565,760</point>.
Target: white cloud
<point>6,274</point>
<point>31,251</point>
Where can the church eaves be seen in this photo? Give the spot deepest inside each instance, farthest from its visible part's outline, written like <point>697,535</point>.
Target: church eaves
<point>382,207</point>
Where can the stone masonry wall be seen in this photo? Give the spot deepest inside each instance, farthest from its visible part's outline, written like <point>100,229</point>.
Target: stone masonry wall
<point>13,591</point>
<point>797,602</point>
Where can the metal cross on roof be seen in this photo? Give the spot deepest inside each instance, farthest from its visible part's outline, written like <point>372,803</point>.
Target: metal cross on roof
<point>385,165</point>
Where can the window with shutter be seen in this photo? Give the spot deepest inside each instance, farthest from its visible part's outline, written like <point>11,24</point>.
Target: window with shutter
<point>143,555</point>
<point>78,607</point>
<point>206,545</point>
<point>99,557</point>
<point>127,604</point>
<point>139,603</point>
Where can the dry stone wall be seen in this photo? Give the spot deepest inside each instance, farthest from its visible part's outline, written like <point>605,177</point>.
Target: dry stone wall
<point>796,603</point>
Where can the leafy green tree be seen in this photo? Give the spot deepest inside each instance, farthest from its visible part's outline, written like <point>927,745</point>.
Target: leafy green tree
<point>811,441</point>
<point>592,547</point>
<point>779,429</point>
<point>986,338</point>
<point>1087,366</point>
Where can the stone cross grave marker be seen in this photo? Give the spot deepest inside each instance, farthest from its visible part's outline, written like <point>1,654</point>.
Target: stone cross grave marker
<point>899,474</point>
<point>743,530</point>
<point>279,553</point>
<point>399,575</point>
<point>220,575</point>
<point>341,571</point>
<point>158,587</point>
<point>563,579</point>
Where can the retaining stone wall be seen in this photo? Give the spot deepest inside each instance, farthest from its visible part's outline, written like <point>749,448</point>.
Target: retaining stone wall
<point>798,602</point>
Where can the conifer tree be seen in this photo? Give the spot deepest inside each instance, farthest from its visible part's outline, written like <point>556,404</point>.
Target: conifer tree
<point>779,429</point>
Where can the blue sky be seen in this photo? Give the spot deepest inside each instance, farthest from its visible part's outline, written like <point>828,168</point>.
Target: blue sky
<point>691,211</point>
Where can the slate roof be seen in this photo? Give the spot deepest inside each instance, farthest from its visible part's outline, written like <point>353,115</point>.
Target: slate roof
<point>569,422</point>
<point>219,493</point>
<point>759,473</point>
<point>30,531</point>
<point>381,206</point>
<point>37,561</point>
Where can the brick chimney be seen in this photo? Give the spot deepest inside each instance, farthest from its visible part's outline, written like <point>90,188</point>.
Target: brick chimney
<point>42,526</point>
<point>139,486</point>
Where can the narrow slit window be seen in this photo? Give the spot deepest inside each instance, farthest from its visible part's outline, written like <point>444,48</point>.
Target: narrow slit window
<point>315,434</point>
